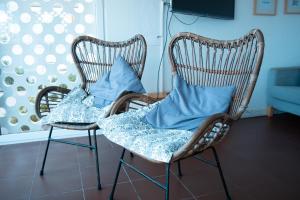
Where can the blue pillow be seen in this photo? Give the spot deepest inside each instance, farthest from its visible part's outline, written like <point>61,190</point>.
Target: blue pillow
<point>187,106</point>
<point>120,79</point>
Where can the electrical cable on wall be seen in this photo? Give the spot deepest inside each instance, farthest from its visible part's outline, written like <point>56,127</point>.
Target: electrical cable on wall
<point>186,23</point>
<point>167,22</point>
<point>168,32</point>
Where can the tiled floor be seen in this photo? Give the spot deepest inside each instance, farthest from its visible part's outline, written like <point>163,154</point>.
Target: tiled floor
<point>260,159</point>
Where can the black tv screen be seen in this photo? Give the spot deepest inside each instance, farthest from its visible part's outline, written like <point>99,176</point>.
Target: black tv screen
<point>223,9</point>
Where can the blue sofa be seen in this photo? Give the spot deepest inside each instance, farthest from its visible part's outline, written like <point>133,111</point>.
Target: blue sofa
<point>284,90</point>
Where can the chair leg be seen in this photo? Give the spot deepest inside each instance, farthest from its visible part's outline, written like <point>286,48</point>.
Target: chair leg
<point>221,172</point>
<point>270,111</point>
<point>97,160</point>
<point>167,181</point>
<point>111,197</point>
<point>46,151</point>
<point>179,173</point>
<point>90,141</point>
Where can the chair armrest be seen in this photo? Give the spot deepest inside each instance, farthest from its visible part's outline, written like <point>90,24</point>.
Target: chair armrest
<point>211,131</point>
<point>127,102</point>
<point>48,98</point>
<point>284,76</point>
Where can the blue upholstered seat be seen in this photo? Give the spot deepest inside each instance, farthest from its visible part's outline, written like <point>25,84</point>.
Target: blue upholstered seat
<point>291,93</point>
<point>284,89</point>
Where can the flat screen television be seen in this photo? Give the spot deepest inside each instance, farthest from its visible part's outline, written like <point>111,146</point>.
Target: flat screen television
<point>221,9</point>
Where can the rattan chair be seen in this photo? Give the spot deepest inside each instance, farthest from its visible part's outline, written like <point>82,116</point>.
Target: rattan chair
<point>206,62</point>
<point>93,58</point>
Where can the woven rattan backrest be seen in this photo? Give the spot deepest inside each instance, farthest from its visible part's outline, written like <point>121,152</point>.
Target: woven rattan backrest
<point>94,57</point>
<point>209,62</point>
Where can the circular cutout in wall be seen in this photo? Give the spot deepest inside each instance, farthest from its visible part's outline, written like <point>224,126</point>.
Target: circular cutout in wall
<point>2,112</point>
<point>63,85</point>
<point>31,79</point>
<point>25,18</point>
<point>41,69</point>
<point>72,77</point>
<point>31,100</point>
<point>11,101</point>
<point>52,78</point>
<point>23,110</point>
<point>13,121</point>
<point>29,60</point>
<point>17,49</point>
<point>21,91</point>
<point>49,39</point>
<point>62,69</point>
<point>25,128</point>
<point>27,39</point>
<point>12,6</point>
<point>4,38</point>
<point>6,60</point>
<point>19,70</point>
<point>8,81</point>
<point>34,118</point>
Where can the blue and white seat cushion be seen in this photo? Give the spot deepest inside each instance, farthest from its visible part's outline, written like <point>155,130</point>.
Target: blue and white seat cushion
<point>154,140</point>
<point>130,131</point>
<point>79,107</point>
<point>76,107</point>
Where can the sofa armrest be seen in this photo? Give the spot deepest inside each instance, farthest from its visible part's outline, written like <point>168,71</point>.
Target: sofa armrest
<point>284,76</point>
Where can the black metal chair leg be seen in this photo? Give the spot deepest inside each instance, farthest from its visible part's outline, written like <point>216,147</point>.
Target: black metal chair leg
<point>90,141</point>
<point>179,173</point>
<point>111,197</point>
<point>221,173</point>
<point>167,181</point>
<point>97,160</point>
<point>46,151</point>
<point>131,155</point>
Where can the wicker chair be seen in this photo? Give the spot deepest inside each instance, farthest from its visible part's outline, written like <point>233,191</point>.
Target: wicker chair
<point>206,62</point>
<point>93,58</point>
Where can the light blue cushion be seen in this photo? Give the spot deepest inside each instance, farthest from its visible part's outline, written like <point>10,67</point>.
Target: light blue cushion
<point>187,106</point>
<point>120,79</point>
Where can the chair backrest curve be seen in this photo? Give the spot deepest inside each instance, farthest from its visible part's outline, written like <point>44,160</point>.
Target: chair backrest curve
<point>210,62</point>
<point>94,57</point>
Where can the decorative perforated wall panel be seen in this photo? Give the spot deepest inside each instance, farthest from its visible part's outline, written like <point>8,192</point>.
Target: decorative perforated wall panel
<point>35,51</point>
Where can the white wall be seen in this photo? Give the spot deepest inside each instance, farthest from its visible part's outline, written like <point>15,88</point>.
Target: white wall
<point>282,39</point>
<point>282,36</point>
<point>123,19</point>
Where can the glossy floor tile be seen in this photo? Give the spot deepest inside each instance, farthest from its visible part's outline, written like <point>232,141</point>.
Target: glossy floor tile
<point>260,160</point>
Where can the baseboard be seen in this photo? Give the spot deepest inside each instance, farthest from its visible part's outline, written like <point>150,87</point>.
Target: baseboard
<point>40,136</point>
<point>254,113</point>
<point>258,112</point>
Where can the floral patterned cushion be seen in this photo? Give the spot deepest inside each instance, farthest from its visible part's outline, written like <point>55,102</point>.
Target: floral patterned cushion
<point>76,107</point>
<point>132,132</point>
<point>77,94</point>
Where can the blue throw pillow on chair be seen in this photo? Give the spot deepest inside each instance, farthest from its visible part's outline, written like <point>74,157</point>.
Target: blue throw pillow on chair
<point>120,79</point>
<point>188,105</point>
